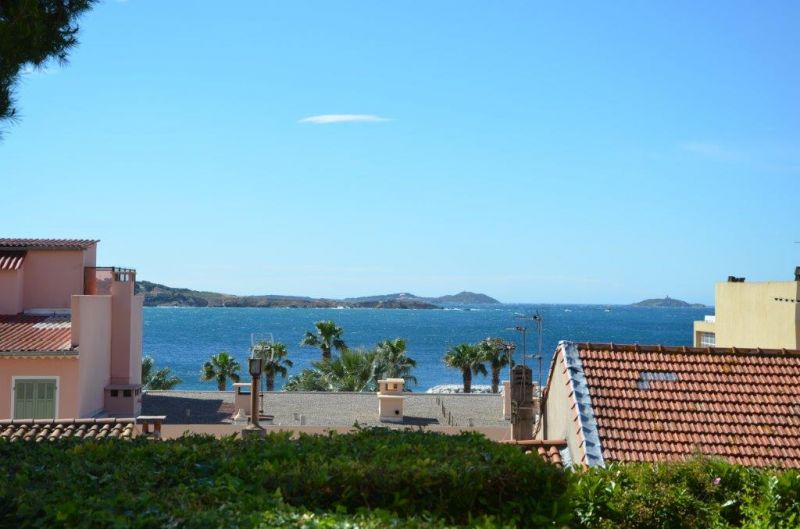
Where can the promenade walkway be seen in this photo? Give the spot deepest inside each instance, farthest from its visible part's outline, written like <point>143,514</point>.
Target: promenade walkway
<point>317,411</point>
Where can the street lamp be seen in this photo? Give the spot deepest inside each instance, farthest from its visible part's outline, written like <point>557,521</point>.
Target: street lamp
<point>255,366</point>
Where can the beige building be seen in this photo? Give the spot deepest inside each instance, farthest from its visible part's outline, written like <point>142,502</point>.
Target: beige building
<point>765,315</point>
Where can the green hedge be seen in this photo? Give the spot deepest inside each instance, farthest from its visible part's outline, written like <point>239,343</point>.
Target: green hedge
<point>417,477</point>
<point>372,479</point>
<point>697,493</point>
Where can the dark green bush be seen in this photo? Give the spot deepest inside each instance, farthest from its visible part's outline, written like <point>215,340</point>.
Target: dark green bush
<point>700,492</point>
<point>199,481</point>
<point>372,479</point>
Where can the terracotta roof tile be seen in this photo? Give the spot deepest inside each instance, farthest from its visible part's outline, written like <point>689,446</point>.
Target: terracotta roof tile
<point>11,260</point>
<point>50,430</point>
<point>654,403</point>
<point>35,334</point>
<point>48,244</point>
<point>549,450</point>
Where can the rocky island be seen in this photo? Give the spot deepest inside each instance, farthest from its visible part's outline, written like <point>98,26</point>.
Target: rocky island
<point>157,295</point>
<point>668,302</point>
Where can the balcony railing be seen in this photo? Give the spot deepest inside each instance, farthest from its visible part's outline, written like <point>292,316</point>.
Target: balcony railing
<point>97,280</point>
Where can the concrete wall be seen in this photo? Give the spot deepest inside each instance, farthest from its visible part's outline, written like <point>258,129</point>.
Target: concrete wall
<point>11,299</point>
<point>52,278</point>
<point>93,316</point>
<point>748,315</point>
<point>122,336</point>
<point>67,389</point>
<point>137,328</point>
<point>558,421</point>
<point>90,256</point>
<point>701,327</point>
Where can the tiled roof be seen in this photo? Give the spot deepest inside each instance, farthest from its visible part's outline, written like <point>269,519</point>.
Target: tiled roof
<point>11,260</point>
<point>50,430</point>
<point>656,403</point>
<point>549,450</point>
<point>35,334</point>
<point>48,244</point>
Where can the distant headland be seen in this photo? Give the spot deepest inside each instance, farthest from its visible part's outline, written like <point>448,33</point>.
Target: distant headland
<point>668,302</point>
<point>156,295</point>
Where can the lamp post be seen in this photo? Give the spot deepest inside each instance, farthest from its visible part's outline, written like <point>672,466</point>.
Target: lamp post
<point>253,429</point>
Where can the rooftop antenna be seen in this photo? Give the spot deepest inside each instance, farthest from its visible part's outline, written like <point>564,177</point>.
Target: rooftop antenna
<point>521,383</point>
<point>524,332</point>
<point>537,319</point>
<point>260,337</point>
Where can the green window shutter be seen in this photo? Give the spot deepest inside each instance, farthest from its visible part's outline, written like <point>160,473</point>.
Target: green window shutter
<point>23,399</point>
<point>35,399</point>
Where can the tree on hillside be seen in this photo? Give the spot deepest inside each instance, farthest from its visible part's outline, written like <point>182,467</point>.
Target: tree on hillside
<point>221,367</point>
<point>31,33</point>
<point>469,359</point>
<point>327,337</point>
<point>497,353</point>
<point>157,379</point>
<point>392,361</point>
<point>275,361</point>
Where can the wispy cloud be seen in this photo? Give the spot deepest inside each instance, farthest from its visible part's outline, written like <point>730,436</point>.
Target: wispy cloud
<point>711,150</point>
<point>325,119</point>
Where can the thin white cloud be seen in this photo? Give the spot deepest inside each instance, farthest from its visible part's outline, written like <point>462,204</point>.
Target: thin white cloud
<point>710,150</point>
<point>325,119</point>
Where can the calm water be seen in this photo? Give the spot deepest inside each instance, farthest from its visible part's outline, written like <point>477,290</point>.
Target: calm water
<point>184,338</point>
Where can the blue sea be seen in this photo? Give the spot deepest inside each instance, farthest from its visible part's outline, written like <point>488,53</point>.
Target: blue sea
<point>184,338</point>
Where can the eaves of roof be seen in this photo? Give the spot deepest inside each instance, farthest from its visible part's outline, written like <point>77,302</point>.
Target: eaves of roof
<point>550,449</point>
<point>38,430</point>
<point>48,244</point>
<point>12,260</point>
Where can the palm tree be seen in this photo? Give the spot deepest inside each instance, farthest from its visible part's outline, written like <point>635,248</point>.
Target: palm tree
<point>498,353</point>
<point>275,361</point>
<point>160,379</point>
<point>221,367</point>
<point>327,337</point>
<point>352,370</point>
<point>306,380</point>
<point>469,359</point>
<point>392,361</point>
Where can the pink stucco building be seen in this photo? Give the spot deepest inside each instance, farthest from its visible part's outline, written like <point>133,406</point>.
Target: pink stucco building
<point>70,332</point>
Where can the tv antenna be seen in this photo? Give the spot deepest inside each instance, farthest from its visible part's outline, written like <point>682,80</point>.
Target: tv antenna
<point>260,337</point>
<point>522,329</point>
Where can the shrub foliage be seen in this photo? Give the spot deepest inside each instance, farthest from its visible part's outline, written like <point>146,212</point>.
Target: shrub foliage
<point>422,478</point>
<point>697,493</point>
<point>372,478</point>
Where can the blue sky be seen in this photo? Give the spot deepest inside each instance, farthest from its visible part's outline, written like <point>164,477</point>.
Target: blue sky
<point>540,153</point>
